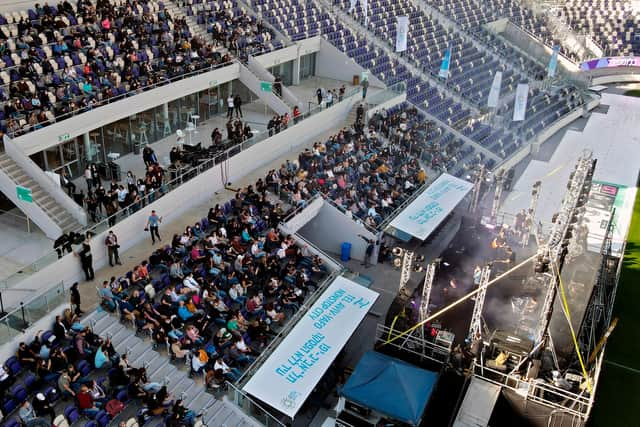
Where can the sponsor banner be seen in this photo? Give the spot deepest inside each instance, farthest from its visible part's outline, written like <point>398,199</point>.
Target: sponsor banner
<point>430,208</point>
<point>444,67</point>
<point>520,107</point>
<point>604,198</point>
<point>553,62</point>
<point>610,62</point>
<point>494,93</point>
<point>293,370</point>
<point>402,32</point>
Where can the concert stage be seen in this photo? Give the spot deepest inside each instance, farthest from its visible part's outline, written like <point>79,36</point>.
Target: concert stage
<point>513,303</point>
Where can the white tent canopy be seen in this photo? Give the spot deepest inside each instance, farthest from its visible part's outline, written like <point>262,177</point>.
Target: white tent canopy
<point>288,376</point>
<point>430,208</point>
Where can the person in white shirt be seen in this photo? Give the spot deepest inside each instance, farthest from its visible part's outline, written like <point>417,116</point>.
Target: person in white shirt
<point>230,106</point>
<point>229,373</point>
<point>282,252</point>
<point>256,251</point>
<point>191,283</point>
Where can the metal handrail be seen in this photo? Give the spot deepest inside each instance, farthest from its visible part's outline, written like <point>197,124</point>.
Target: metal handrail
<point>22,311</point>
<point>513,382</point>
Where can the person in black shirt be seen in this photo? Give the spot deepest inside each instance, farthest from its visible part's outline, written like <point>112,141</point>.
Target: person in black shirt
<point>42,407</point>
<point>26,356</point>
<point>86,259</point>
<point>75,299</point>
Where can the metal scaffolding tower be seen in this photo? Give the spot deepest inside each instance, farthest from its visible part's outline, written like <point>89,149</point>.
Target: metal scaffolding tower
<point>498,194</point>
<point>426,295</point>
<point>599,310</point>
<point>552,253</point>
<point>529,222</point>
<point>476,316</point>
<point>477,188</point>
<point>405,273</point>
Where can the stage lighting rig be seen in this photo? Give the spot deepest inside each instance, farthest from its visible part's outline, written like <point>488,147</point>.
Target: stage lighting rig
<point>499,179</point>
<point>562,235</point>
<point>404,259</point>
<point>476,317</point>
<point>477,188</point>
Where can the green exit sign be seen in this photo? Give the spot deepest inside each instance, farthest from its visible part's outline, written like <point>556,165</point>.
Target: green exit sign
<point>64,137</point>
<point>213,83</point>
<point>24,194</point>
<point>266,86</point>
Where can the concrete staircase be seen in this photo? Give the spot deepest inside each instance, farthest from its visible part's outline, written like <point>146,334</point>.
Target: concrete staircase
<point>60,216</point>
<point>179,12</point>
<point>215,412</point>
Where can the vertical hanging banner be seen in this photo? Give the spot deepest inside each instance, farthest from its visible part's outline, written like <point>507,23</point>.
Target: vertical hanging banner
<point>365,10</point>
<point>522,93</point>
<point>352,5</point>
<point>402,32</point>
<point>444,67</point>
<point>553,62</point>
<point>494,93</point>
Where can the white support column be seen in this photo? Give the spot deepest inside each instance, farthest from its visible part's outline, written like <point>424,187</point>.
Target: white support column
<point>165,118</point>
<point>88,149</point>
<point>296,69</point>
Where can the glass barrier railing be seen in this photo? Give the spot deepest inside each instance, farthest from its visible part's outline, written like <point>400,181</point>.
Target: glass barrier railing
<point>182,176</point>
<point>252,408</point>
<point>387,94</point>
<point>26,314</point>
<point>15,133</point>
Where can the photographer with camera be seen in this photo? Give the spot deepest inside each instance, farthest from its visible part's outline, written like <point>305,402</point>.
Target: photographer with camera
<point>111,242</point>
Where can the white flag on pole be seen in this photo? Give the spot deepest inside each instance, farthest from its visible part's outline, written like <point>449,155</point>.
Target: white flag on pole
<point>402,32</point>
<point>494,93</point>
<point>520,107</point>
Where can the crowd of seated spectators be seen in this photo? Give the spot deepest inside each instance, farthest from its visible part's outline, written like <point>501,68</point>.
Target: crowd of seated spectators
<point>233,28</point>
<point>64,59</point>
<point>362,173</point>
<point>219,291</point>
<point>69,373</point>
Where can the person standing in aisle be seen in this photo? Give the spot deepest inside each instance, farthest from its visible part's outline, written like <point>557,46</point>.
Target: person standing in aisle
<point>153,222</point>
<point>74,295</point>
<point>365,87</point>
<point>230,106</point>
<point>237,103</point>
<point>86,258</point>
<point>88,177</point>
<point>111,241</point>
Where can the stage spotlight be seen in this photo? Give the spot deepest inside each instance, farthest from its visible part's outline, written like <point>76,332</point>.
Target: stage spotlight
<point>397,251</point>
<point>420,258</point>
<point>418,268</point>
<point>397,262</point>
